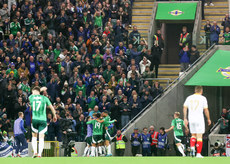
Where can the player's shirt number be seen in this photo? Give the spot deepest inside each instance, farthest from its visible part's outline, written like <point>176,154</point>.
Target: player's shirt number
<point>97,125</point>
<point>178,125</point>
<point>36,105</point>
<point>194,104</point>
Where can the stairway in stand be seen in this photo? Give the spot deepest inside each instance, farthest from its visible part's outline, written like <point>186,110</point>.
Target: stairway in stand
<point>141,16</point>
<point>213,13</point>
<point>170,71</point>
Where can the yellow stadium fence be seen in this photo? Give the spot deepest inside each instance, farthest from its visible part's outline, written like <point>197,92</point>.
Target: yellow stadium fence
<point>51,149</point>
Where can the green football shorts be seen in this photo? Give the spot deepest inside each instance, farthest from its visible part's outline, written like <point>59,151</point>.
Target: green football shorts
<point>97,139</point>
<point>88,140</point>
<point>178,139</point>
<point>108,133</point>
<point>39,126</point>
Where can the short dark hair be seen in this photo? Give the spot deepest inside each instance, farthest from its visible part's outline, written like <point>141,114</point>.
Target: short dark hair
<point>162,128</point>
<point>37,88</point>
<point>145,128</point>
<point>88,117</point>
<point>194,46</point>
<point>98,115</point>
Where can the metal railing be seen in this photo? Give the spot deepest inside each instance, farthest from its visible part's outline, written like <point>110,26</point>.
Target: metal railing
<point>170,85</point>
<point>214,127</point>
<point>155,79</point>
<point>197,24</point>
<point>152,27</point>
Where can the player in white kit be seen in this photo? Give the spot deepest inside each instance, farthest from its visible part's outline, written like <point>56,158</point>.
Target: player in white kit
<point>196,106</point>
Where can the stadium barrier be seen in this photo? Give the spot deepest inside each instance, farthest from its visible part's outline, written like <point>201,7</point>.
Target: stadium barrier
<point>51,149</point>
<point>54,149</point>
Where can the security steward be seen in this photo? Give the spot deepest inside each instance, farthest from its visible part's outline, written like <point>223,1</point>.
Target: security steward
<point>185,38</point>
<point>120,141</point>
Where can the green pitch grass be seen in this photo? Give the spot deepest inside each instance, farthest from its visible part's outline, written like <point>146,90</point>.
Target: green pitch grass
<point>116,160</point>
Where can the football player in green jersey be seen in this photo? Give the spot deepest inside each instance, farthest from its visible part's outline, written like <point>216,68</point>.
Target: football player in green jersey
<point>38,105</point>
<point>177,125</point>
<point>98,128</point>
<point>108,132</point>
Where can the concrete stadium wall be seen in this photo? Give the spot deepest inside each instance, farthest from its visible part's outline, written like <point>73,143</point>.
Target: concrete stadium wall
<point>161,112</point>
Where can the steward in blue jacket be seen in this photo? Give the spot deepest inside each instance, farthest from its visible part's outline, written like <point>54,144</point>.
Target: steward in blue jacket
<point>146,142</point>
<point>135,139</point>
<point>162,142</point>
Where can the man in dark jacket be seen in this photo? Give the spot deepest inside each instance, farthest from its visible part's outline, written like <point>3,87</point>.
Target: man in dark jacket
<point>115,113</point>
<point>194,55</point>
<point>155,59</point>
<point>9,100</point>
<point>135,37</point>
<point>118,30</point>
<point>156,89</point>
<point>158,39</point>
<point>207,29</point>
<point>146,99</point>
<point>81,128</point>
<point>19,106</point>
<point>226,21</point>
<point>125,111</point>
<point>135,106</point>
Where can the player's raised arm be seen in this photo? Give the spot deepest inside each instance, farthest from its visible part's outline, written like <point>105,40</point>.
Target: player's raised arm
<point>206,112</point>
<point>168,130</point>
<point>89,122</point>
<point>100,121</point>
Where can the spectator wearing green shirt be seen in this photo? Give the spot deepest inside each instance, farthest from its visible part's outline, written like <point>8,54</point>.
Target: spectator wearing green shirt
<point>12,69</point>
<point>15,27</point>
<point>141,46</point>
<point>92,100</point>
<point>108,73</point>
<point>57,51</point>
<point>226,36</point>
<point>24,86</point>
<point>29,22</point>
<point>73,47</point>
<point>98,16</point>
<point>80,87</point>
<point>97,58</point>
<point>123,79</point>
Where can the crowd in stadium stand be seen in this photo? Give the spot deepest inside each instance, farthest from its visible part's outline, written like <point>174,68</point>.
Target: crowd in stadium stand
<point>82,52</point>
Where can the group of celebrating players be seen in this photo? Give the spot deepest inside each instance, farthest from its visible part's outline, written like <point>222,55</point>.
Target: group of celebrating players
<point>99,135</point>
<point>99,127</point>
